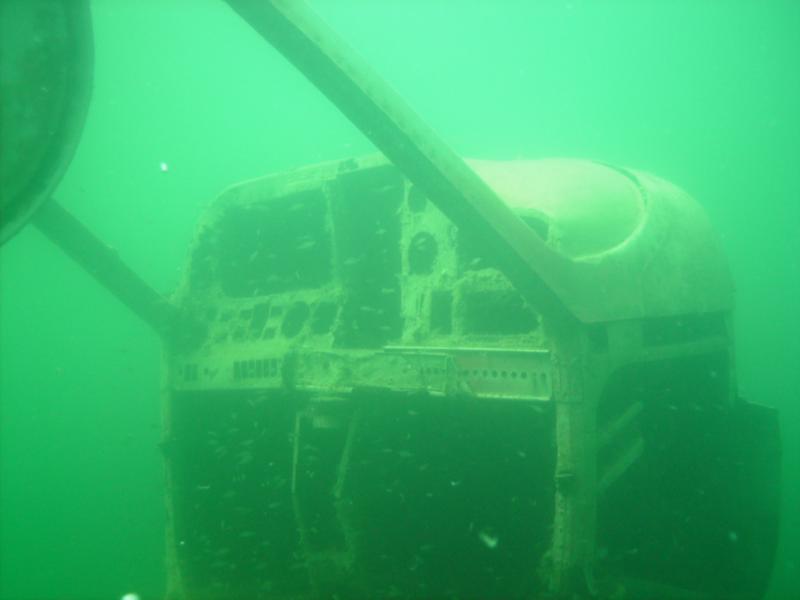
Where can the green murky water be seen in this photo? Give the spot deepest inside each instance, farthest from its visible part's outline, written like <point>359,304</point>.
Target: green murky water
<point>188,100</point>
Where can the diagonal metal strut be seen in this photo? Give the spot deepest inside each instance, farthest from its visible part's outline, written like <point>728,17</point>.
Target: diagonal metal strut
<point>382,115</point>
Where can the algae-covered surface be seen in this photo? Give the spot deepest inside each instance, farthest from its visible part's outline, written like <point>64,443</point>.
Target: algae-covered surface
<point>189,101</point>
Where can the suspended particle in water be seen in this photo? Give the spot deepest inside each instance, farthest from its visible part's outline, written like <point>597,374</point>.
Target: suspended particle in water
<point>489,540</point>
<point>130,596</point>
<point>164,167</point>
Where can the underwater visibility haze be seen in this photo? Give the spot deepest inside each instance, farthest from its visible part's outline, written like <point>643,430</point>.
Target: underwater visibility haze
<point>267,335</point>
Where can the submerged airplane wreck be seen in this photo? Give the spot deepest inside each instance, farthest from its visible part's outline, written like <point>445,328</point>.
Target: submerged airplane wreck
<point>374,410</point>
<point>411,376</point>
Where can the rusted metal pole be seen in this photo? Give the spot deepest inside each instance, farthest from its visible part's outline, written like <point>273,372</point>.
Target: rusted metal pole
<point>384,117</point>
<point>104,264</point>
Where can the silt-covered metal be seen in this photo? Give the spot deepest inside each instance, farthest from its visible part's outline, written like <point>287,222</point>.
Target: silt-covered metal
<point>376,410</point>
